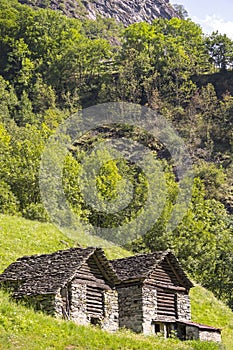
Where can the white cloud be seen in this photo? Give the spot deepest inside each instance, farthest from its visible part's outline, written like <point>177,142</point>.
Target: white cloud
<point>214,23</point>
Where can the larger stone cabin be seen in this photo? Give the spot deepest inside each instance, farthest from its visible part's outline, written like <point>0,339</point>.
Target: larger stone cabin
<point>76,284</point>
<point>146,293</point>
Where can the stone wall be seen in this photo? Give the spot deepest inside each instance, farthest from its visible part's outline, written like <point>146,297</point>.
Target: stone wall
<point>58,305</point>
<point>209,336</point>
<point>111,313</point>
<point>149,309</point>
<point>78,307</point>
<point>45,303</point>
<point>192,333</point>
<point>130,308</point>
<point>10,286</point>
<point>183,306</point>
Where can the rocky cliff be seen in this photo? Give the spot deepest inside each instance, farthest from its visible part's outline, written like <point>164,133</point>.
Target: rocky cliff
<point>124,11</point>
<point>130,11</point>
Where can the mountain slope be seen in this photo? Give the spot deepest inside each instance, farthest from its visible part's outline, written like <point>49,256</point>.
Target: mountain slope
<point>124,11</point>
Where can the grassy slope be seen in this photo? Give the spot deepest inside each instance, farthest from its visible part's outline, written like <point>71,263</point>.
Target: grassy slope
<point>21,328</point>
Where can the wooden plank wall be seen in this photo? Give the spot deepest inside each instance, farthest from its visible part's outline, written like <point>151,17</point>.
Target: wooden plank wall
<point>166,303</point>
<point>95,302</point>
<point>91,275</point>
<point>164,274</point>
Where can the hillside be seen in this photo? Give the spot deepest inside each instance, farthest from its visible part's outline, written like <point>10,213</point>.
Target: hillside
<point>20,326</point>
<point>123,11</point>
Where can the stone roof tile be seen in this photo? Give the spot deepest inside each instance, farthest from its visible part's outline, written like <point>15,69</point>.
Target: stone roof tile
<point>138,266</point>
<point>142,265</point>
<point>46,273</point>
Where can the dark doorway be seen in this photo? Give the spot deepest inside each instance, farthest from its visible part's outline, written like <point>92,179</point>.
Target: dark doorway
<point>157,328</point>
<point>95,321</point>
<point>181,331</point>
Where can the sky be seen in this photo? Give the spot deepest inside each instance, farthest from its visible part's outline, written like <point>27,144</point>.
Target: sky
<point>212,15</point>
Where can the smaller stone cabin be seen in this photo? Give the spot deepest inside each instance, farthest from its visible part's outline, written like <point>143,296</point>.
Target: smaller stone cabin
<point>76,284</point>
<point>153,297</point>
<point>152,292</point>
<point>196,331</point>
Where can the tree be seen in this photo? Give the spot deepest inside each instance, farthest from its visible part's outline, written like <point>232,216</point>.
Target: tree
<point>203,242</point>
<point>22,163</point>
<point>181,11</point>
<point>220,49</point>
<point>8,201</point>
<point>25,114</point>
<point>170,50</point>
<point>8,101</point>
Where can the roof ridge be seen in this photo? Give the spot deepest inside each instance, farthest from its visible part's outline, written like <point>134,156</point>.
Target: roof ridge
<point>53,253</point>
<point>83,262</point>
<point>144,254</point>
<point>163,256</point>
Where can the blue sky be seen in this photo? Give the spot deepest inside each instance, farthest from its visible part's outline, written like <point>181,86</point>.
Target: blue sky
<point>212,15</point>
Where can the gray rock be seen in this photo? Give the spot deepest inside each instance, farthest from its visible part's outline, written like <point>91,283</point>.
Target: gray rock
<point>124,11</point>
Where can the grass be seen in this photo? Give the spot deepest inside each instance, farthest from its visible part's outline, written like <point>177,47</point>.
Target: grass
<point>22,328</point>
<point>19,237</point>
<point>208,310</point>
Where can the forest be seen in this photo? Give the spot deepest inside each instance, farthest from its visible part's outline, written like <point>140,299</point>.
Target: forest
<point>52,66</point>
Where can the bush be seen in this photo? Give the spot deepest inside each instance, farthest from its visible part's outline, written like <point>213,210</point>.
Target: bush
<point>36,211</point>
<point>8,201</point>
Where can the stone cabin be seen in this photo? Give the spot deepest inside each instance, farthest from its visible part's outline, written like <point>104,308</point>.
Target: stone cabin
<point>146,293</point>
<point>76,284</point>
<point>153,292</point>
<point>153,297</point>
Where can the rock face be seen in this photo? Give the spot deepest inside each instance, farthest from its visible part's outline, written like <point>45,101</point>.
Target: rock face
<point>130,11</point>
<point>124,11</point>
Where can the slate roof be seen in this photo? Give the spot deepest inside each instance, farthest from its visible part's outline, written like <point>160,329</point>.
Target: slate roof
<point>139,267</point>
<point>47,273</point>
<point>200,326</point>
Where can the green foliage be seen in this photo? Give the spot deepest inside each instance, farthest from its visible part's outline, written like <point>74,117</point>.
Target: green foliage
<point>35,211</point>
<point>209,252</point>
<point>8,201</point>
<point>8,101</point>
<point>203,242</point>
<point>171,51</point>
<point>213,179</point>
<point>25,114</point>
<point>42,95</point>
<point>220,48</point>
<point>107,180</point>
<point>26,147</point>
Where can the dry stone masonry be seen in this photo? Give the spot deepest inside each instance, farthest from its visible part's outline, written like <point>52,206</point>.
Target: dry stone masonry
<point>149,309</point>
